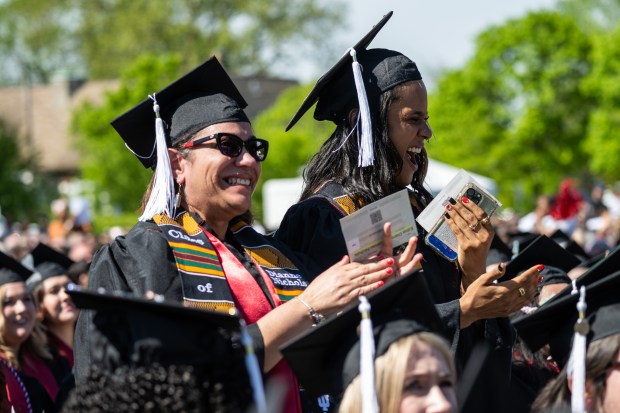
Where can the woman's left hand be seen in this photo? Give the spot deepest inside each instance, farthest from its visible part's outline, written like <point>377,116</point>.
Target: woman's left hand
<point>474,232</point>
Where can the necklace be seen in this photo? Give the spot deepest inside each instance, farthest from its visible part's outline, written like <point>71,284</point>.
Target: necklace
<point>20,382</point>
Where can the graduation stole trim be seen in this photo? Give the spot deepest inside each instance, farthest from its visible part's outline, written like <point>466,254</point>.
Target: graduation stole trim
<point>287,279</point>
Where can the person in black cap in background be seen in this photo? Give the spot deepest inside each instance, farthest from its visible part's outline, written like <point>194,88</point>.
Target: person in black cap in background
<point>356,166</point>
<point>198,246</point>
<point>56,309</point>
<point>414,370</point>
<point>22,342</point>
<point>556,323</point>
<point>156,356</point>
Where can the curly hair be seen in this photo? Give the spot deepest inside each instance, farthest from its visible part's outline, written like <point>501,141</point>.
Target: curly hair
<point>153,388</point>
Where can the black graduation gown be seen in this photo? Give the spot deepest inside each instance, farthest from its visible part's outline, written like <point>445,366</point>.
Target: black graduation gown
<point>138,262</point>
<point>312,229</point>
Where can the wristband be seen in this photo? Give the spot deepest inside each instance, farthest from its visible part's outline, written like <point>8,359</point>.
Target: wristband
<point>317,318</point>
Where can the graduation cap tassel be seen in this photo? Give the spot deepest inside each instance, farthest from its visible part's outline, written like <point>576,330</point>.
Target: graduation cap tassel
<point>161,198</point>
<point>577,360</point>
<point>367,359</point>
<point>366,153</point>
<point>251,364</point>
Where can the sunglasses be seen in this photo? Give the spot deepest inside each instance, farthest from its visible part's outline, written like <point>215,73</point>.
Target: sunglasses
<point>232,145</point>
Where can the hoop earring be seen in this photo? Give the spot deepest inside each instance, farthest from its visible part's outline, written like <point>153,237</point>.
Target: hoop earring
<point>178,196</point>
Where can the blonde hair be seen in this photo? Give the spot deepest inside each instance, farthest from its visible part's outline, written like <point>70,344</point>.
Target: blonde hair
<point>35,343</point>
<point>390,371</point>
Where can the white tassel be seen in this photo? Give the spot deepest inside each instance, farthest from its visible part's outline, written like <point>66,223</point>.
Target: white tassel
<point>251,364</point>
<point>577,360</point>
<point>366,152</point>
<point>161,198</point>
<point>367,359</point>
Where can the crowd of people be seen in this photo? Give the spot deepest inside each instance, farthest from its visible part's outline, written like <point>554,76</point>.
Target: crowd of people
<point>192,309</point>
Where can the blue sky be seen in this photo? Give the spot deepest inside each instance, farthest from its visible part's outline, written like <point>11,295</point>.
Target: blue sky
<point>436,34</point>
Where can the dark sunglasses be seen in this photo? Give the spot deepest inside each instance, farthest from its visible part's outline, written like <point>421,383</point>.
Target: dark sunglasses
<point>232,145</point>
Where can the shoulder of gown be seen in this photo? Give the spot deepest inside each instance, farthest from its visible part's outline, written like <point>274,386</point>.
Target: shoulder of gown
<point>312,230</point>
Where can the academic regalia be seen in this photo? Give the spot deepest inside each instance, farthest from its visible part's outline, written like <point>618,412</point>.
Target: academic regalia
<point>24,391</point>
<point>326,359</point>
<point>311,227</point>
<point>174,253</point>
<point>136,340</point>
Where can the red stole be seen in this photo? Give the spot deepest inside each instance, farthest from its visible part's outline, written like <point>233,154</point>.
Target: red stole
<point>16,394</point>
<point>252,303</point>
<point>34,366</point>
<point>63,349</point>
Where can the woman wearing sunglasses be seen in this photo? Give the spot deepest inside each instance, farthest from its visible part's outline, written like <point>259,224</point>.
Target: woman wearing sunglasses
<point>194,242</point>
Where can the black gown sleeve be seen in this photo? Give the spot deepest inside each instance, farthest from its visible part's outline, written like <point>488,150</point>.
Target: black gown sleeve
<point>312,230</point>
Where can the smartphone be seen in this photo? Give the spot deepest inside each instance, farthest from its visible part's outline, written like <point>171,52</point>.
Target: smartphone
<point>479,197</point>
<point>442,239</point>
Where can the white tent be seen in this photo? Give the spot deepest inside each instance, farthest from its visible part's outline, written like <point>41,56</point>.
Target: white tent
<point>280,194</point>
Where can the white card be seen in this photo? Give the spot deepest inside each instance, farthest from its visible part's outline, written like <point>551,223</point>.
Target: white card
<point>363,229</point>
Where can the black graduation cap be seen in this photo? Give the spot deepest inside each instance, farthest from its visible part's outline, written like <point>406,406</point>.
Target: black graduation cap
<point>203,97</point>
<point>325,359</point>
<point>12,270</point>
<point>498,252</point>
<point>129,330</point>
<point>48,262</point>
<point>544,251</point>
<point>520,240</point>
<point>553,323</point>
<point>336,92</point>
<point>569,244</point>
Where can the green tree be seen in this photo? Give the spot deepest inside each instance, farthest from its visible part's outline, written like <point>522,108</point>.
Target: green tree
<point>288,151</point>
<point>23,193</point>
<point>603,136</point>
<point>516,110</point>
<point>36,40</point>
<point>106,161</point>
<point>592,15</point>
<point>98,38</point>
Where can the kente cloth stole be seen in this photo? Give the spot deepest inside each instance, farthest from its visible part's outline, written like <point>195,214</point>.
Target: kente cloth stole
<point>287,279</point>
<point>213,278</point>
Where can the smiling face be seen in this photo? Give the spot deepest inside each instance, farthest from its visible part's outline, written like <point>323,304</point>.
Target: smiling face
<point>215,186</point>
<point>408,126</point>
<point>56,303</point>
<point>428,385</point>
<point>18,313</point>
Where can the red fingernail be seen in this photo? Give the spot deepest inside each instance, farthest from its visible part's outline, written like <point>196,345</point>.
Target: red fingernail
<point>390,261</point>
<point>448,207</point>
<point>540,279</point>
<point>389,270</point>
<point>380,283</point>
<point>465,200</point>
<point>540,268</point>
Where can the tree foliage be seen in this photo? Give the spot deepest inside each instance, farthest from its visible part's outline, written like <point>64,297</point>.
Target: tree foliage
<point>106,161</point>
<point>23,192</point>
<point>516,111</point>
<point>602,141</point>
<point>288,151</point>
<point>98,38</point>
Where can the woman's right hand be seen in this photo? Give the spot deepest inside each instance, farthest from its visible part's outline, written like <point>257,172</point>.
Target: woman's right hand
<point>486,300</point>
<point>345,281</point>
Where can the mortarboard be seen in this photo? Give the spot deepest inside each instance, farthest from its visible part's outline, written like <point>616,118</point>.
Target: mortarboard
<point>137,331</point>
<point>520,240</point>
<point>12,270</point>
<point>47,262</point>
<point>569,244</point>
<point>326,358</point>
<point>553,323</point>
<point>499,251</point>
<point>356,81</point>
<point>202,97</point>
<point>544,251</point>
